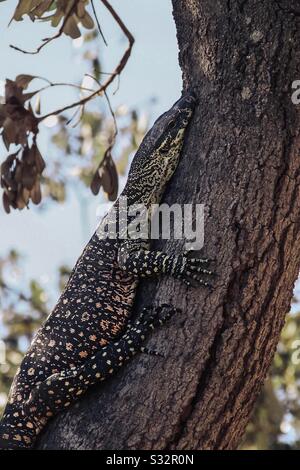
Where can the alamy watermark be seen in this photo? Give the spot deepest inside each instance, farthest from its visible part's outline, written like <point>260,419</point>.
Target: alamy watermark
<point>138,222</point>
<point>2,353</point>
<point>296,94</point>
<point>296,354</point>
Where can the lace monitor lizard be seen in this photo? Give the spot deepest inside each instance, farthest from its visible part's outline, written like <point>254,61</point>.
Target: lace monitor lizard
<point>89,336</point>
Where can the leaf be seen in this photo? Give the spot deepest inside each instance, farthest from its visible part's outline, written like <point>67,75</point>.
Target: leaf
<point>81,10</point>
<point>18,172</point>
<point>5,170</point>
<point>28,156</point>
<point>87,21</point>
<point>20,177</point>
<point>37,107</point>
<point>26,196</point>
<point>6,203</point>
<point>23,7</point>
<point>96,183</point>
<point>42,7</point>
<point>9,134</point>
<point>12,92</point>
<point>39,161</point>
<point>23,80</point>
<point>20,200</point>
<point>109,179</point>
<point>2,115</point>
<point>56,18</point>
<point>113,194</point>
<point>28,96</point>
<point>71,28</point>
<point>36,194</point>
<point>29,175</point>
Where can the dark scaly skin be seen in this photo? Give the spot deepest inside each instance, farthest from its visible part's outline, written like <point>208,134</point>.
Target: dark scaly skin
<point>88,336</point>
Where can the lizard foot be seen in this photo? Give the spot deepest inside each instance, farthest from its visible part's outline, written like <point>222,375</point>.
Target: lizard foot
<point>191,271</point>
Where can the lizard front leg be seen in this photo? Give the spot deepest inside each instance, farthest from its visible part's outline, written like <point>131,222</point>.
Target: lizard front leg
<point>135,259</point>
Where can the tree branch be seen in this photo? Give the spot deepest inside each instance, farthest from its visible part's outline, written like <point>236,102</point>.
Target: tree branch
<point>118,70</point>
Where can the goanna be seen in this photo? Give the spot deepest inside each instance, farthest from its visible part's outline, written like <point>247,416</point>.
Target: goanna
<point>89,336</point>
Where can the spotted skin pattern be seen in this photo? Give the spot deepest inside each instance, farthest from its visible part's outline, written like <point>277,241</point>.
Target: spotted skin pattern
<point>89,334</point>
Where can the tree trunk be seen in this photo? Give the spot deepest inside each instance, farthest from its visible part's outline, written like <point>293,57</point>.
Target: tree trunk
<point>242,160</point>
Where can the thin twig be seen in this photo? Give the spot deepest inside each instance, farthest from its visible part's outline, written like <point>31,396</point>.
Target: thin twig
<point>79,110</point>
<point>67,84</point>
<point>113,116</point>
<point>10,289</point>
<point>118,85</point>
<point>110,110</point>
<point>78,87</point>
<point>118,70</point>
<point>98,24</point>
<point>56,36</point>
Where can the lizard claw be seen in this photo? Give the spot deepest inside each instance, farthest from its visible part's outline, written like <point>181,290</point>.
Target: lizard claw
<point>151,352</point>
<point>191,271</point>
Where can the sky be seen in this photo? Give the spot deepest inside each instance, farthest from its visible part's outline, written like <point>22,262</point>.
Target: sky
<point>56,236</point>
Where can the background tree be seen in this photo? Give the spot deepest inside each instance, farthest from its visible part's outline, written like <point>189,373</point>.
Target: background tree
<point>241,57</point>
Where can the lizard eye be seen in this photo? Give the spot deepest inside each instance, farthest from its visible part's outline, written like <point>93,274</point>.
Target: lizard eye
<point>172,125</point>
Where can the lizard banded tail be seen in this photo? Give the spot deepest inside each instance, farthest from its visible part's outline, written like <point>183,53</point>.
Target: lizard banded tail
<point>60,390</point>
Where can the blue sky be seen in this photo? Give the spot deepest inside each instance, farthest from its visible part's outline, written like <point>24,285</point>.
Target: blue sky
<point>56,235</point>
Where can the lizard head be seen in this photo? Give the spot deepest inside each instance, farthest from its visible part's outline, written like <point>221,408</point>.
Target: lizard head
<point>159,153</point>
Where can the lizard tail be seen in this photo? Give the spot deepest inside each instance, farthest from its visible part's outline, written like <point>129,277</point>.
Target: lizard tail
<point>17,431</point>
<point>60,390</point>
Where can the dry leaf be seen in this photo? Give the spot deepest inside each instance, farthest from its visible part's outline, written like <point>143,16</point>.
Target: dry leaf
<point>20,178</point>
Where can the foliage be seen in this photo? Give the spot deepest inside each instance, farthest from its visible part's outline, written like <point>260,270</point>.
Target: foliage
<point>21,172</point>
<point>276,420</point>
<point>72,13</point>
<point>22,311</point>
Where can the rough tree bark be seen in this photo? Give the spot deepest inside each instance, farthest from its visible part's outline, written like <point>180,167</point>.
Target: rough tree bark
<point>242,160</point>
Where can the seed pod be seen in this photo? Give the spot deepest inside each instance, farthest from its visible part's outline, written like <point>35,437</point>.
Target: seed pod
<point>39,161</point>
<point>29,176</point>
<point>96,183</point>
<point>36,194</point>
<point>6,203</point>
